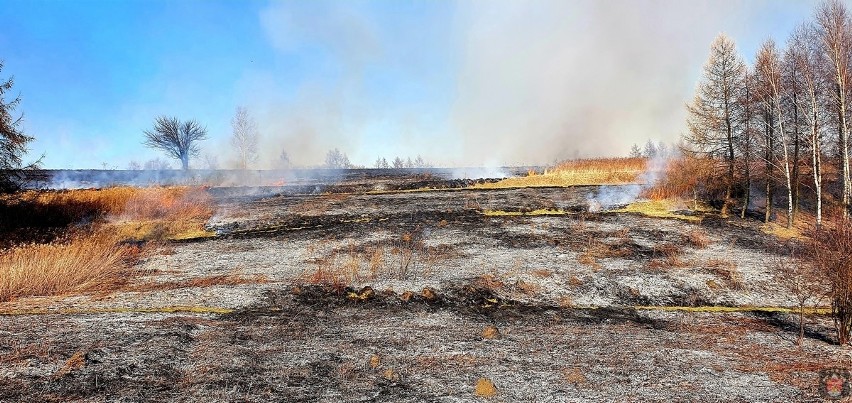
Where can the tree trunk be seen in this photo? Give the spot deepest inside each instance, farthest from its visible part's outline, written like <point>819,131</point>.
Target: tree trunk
<point>816,160</point>
<point>768,159</point>
<point>730,137</point>
<point>844,148</point>
<point>787,178</point>
<point>796,138</point>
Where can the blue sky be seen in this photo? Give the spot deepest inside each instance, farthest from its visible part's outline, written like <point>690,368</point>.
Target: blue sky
<point>462,83</point>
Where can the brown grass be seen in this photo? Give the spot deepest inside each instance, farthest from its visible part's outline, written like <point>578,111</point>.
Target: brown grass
<point>698,239</point>
<point>727,271</point>
<point>138,213</point>
<point>601,171</point>
<point>231,279</point>
<point>73,241</point>
<point>666,256</point>
<point>89,262</point>
<point>686,178</point>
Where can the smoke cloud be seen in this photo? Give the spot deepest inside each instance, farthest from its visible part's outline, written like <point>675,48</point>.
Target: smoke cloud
<point>487,83</point>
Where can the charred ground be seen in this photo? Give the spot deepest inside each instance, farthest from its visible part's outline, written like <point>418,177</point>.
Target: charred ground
<point>375,289</point>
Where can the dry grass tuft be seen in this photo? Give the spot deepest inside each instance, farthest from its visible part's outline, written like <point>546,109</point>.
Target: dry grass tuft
<point>726,270</point>
<point>77,361</point>
<point>666,256</point>
<point>542,273</point>
<point>375,361</point>
<point>698,239</point>
<point>485,388</point>
<point>90,262</point>
<point>602,171</point>
<point>491,332</point>
<point>574,376</point>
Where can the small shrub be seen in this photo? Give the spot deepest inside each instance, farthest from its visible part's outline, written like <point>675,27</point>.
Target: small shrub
<point>698,239</point>
<point>830,253</point>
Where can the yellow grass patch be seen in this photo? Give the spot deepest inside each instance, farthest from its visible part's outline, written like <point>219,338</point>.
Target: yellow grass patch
<point>602,171</point>
<point>501,213</point>
<point>485,388</point>
<point>658,209</point>
<point>781,231</point>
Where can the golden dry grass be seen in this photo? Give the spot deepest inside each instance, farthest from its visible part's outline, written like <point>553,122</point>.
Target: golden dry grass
<point>137,213</point>
<point>95,258</point>
<point>89,262</point>
<point>601,171</point>
<point>660,209</point>
<point>485,388</point>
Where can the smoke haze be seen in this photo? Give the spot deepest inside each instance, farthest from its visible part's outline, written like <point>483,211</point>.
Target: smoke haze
<point>532,82</point>
<point>465,83</point>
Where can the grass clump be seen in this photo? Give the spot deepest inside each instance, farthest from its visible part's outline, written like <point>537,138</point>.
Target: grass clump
<point>89,262</point>
<point>72,241</point>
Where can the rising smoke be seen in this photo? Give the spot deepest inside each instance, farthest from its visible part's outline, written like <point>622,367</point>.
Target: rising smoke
<point>517,82</point>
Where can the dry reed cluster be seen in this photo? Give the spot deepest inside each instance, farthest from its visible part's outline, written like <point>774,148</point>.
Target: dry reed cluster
<point>71,241</point>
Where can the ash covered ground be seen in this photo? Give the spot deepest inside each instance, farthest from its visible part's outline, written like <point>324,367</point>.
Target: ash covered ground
<point>379,289</point>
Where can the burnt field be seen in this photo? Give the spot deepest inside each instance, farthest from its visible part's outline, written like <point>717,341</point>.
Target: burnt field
<point>419,288</point>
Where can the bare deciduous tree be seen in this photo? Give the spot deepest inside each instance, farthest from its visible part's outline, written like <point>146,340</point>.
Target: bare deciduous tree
<point>804,51</point>
<point>712,112</point>
<point>803,281</point>
<point>768,72</point>
<point>157,164</point>
<point>834,31</point>
<point>177,139</point>
<point>284,160</point>
<point>13,141</point>
<point>244,138</point>
<point>337,160</point>
<point>745,142</point>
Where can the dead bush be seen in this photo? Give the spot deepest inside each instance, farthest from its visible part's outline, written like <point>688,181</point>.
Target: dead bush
<point>830,253</point>
<point>802,281</point>
<point>688,177</point>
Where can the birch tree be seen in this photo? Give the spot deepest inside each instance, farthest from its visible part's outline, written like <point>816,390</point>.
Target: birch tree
<point>244,138</point>
<point>834,31</point>
<point>804,50</point>
<point>768,71</point>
